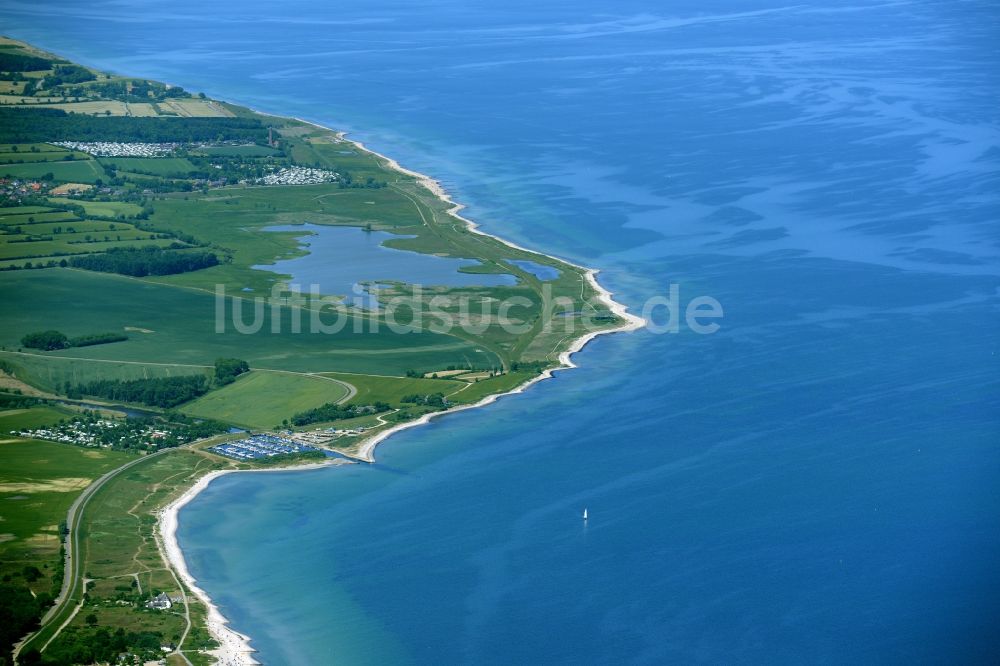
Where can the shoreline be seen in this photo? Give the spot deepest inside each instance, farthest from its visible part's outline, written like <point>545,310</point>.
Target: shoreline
<point>234,647</point>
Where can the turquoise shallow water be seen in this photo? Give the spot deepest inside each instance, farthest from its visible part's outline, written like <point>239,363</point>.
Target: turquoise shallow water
<point>816,482</point>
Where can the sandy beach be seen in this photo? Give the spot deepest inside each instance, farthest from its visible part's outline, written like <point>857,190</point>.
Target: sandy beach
<point>235,649</point>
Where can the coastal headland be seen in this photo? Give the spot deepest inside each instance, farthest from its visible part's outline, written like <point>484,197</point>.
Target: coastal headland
<point>137,264</point>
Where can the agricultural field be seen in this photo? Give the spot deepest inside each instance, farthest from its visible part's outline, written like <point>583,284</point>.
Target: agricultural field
<point>50,372</point>
<point>77,171</point>
<point>193,108</point>
<point>55,155</point>
<point>31,417</point>
<point>22,215</point>
<point>182,325</point>
<point>45,234</point>
<point>94,108</point>
<point>237,151</point>
<point>38,482</point>
<point>372,388</point>
<point>169,167</point>
<point>101,208</point>
<point>263,400</point>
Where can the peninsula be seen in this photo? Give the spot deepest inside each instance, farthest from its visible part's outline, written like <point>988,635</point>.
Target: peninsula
<point>161,326</point>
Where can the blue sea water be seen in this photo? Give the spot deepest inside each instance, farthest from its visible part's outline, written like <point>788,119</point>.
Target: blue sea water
<point>816,482</point>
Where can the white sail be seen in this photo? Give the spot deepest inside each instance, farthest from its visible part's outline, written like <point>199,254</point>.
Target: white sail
<point>585,514</point>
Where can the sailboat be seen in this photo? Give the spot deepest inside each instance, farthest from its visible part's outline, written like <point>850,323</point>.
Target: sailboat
<point>585,514</point>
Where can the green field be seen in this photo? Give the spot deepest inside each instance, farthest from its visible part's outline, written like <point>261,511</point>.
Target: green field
<point>264,399</point>
<point>244,151</point>
<point>81,171</point>
<point>38,482</point>
<point>182,328</point>
<point>50,372</point>
<point>393,389</point>
<point>43,215</point>
<point>56,155</point>
<point>158,166</point>
<point>102,208</point>
<point>67,244</point>
<point>33,417</point>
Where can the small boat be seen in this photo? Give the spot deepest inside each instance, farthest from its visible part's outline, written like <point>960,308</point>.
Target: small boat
<point>585,514</point>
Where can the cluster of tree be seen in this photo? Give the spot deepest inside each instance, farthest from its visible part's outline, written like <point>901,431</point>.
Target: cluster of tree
<point>16,400</point>
<point>95,645</point>
<point>51,340</point>
<point>529,366</point>
<point>283,458</point>
<point>69,74</point>
<point>17,62</point>
<point>346,181</point>
<point>466,368</point>
<point>155,391</point>
<point>20,611</point>
<point>190,429</point>
<point>140,262</point>
<point>228,369</point>
<point>45,340</point>
<point>334,412</point>
<point>136,90</point>
<point>97,339</point>
<point>33,125</point>
<point>432,400</point>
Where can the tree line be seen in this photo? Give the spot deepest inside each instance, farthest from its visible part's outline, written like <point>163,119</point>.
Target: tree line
<point>155,391</point>
<point>33,125</point>
<point>140,262</point>
<point>334,412</point>
<point>228,369</point>
<point>432,400</point>
<point>17,62</point>
<point>52,340</point>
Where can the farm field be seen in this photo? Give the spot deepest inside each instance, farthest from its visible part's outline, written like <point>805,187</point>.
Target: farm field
<point>157,166</point>
<point>182,322</point>
<point>80,171</point>
<point>191,108</point>
<point>102,208</point>
<point>50,372</point>
<point>55,155</point>
<point>92,108</point>
<point>17,216</point>
<point>31,417</point>
<point>264,399</point>
<point>38,482</point>
<point>393,389</point>
<point>242,151</point>
<point>61,246</point>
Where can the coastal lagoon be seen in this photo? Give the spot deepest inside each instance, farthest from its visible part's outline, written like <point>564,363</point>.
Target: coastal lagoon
<point>341,259</point>
<point>816,482</point>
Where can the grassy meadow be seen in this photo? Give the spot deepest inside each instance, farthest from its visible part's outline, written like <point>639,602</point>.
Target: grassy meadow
<point>263,400</point>
<point>181,325</point>
<point>38,482</point>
